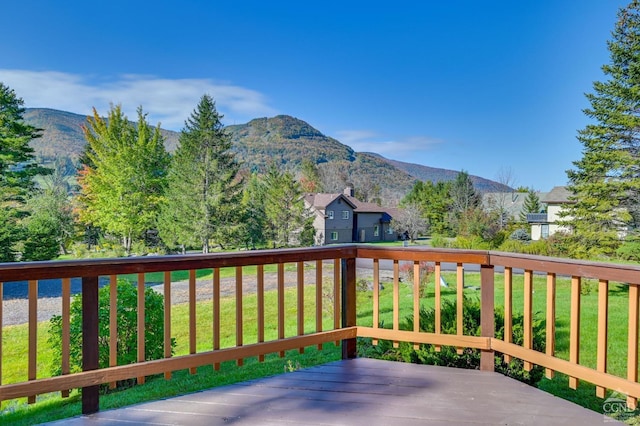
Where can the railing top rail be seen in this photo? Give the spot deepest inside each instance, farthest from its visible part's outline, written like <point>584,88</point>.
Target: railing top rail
<point>570,267</point>
<point>113,266</point>
<point>424,254</point>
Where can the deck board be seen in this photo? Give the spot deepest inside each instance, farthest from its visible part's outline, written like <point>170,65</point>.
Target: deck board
<point>359,392</point>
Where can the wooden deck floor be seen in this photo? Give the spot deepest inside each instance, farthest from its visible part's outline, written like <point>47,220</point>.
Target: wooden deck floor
<point>360,392</point>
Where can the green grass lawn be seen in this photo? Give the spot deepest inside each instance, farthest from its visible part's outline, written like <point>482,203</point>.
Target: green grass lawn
<point>50,407</point>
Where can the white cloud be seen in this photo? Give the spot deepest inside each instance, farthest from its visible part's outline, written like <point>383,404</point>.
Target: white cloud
<point>405,149</point>
<point>169,101</point>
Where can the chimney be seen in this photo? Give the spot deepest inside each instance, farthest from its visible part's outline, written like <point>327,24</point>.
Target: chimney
<point>348,191</point>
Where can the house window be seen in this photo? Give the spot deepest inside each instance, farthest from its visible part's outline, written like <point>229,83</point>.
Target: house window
<point>330,214</point>
<point>376,230</point>
<point>544,231</point>
<point>334,236</point>
<point>345,214</point>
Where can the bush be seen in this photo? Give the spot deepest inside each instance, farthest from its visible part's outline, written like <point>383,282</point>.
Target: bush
<point>439,241</point>
<point>127,328</point>
<point>629,250</point>
<point>470,358</point>
<point>520,235</point>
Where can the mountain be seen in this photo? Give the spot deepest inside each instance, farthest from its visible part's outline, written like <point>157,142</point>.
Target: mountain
<point>434,174</point>
<point>283,139</point>
<point>62,136</point>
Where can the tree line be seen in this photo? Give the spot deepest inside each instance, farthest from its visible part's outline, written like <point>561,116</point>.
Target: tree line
<point>129,189</point>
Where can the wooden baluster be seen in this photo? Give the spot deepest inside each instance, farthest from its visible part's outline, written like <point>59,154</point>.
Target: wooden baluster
<point>528,316</point>
<point>300,299</point>
<point>460,304</point>
<point>141,323</point>
<point>216,314</point>
<point>113,324</point>
<point>396,299</point>
<point>487,318</point>
<point>167,319</point>
<point>632,348</point>
<point>438,303</point>
<point>239,318</point>
<point>376,296</point>
<point>319,298</point>
<point>33,334</point>
<point>550,346</point>
<point>603,318</point>
<point>337,292</point>
<point>508,309</point>
<point>192,315</point>
<point>66,330</point>
<point>349,314</point>
<point>1,337</point>
<point>281,304</point>
<point>574,332</point>
<point>416,300</point>
<point>260,290</point>
<point>90,350</point>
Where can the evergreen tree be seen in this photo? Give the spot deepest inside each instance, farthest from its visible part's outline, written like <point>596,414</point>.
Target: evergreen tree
<point>254,216</point>
<point>17,169</point>
<point>310,176</point>
<point>466,205</point>
<point>531,204</point>
<point>285,212</point>
<point>434,201</point>
<point>606,180</point>
<point>123,179</point>
<point>203,194</point>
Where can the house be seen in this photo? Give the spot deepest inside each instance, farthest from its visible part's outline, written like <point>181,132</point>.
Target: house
<point>545,224</point>
<point>342,218</point>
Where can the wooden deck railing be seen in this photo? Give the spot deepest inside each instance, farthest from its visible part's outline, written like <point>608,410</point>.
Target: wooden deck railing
<point>340,264</point>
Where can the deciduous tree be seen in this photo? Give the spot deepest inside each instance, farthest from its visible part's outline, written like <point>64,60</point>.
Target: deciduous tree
<point>123,178</point>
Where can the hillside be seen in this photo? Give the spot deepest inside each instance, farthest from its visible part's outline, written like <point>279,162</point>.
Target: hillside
<point>283,139</point>
<point>63,136</point>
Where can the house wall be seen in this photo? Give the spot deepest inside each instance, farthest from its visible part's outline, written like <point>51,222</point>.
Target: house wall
<point>343,227</point>
<point>366,224</point>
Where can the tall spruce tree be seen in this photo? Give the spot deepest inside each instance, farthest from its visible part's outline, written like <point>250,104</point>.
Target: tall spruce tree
<point>17,169</point>
<point>203,194</point>
<point>123,179</point>
<point>531,204</point>
<point>606,180</point>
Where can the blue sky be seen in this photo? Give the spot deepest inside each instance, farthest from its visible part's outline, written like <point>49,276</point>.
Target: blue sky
<point>493,87</point>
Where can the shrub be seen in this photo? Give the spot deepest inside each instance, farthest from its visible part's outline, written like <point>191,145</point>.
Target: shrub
<point>470,358</point>
<point>127,328</point>
<point>520,235</point>
<point>629,250</point>
<point>439,241</point>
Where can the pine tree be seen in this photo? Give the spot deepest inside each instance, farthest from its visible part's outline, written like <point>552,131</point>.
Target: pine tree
<point>606,180</point>
<point>17,170</point>
<point>203,194</point>
<point>123,180</point>
<point>286,215</point>
<point>531,204</point>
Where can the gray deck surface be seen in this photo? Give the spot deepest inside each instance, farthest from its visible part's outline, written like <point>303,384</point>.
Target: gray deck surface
<point>359,392</point>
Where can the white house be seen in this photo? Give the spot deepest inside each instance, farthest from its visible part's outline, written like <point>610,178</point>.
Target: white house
<point>545,224</point>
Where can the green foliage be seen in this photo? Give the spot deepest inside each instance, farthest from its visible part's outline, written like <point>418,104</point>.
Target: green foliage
<point>285,212</point>
<point>531,204</point>
<point>11,232</point>
<point>606,180</point>
<point>434,201</point>
<point>203,191</point>
<point>629,249</point>
<point>127,341</point>
<point>470,358</point>
<point>520,235</point>
<point>123,178</point>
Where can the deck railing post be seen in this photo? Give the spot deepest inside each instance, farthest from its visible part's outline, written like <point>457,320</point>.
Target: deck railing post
<point>487,318</point>
<point>348,275</point>
<point>90,394</point>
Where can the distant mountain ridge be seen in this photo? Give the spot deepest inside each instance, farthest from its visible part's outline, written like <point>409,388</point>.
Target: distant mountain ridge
<point>283,139</point>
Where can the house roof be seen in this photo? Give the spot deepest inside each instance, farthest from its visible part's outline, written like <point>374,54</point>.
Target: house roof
<point>322,200</point>
<point>558,195</point>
